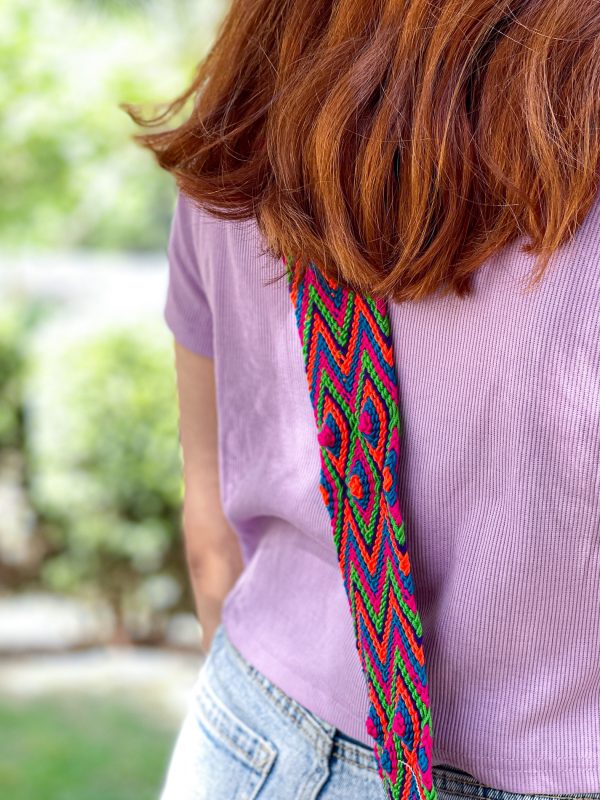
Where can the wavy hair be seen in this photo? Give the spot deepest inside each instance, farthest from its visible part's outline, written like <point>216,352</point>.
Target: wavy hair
<point>395,143</point>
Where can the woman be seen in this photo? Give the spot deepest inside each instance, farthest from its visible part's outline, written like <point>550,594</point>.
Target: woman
<point>438,154</point>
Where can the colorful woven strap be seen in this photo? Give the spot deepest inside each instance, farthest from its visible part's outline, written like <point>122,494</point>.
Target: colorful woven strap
<point>347,347</point>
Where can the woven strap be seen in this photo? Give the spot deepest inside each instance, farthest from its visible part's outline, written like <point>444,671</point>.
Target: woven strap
<point>347,348</point>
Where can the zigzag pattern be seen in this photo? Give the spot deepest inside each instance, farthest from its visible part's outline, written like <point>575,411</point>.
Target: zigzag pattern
<point>347,348</point>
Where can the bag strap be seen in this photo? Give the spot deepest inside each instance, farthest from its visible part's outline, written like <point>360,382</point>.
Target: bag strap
<point>349,361</point>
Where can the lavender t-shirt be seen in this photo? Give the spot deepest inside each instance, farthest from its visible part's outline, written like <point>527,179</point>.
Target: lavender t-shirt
<point>499,486</point>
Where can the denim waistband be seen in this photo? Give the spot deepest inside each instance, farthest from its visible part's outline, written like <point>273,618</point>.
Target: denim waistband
<point>448,779</point>
<point>459,784</point>
<point>318,730</point>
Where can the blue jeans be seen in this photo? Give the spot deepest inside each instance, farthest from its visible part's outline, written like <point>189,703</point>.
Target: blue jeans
<point>244,739</point>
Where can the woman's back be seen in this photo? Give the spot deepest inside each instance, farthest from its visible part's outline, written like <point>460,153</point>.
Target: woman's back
<point>499,486</point>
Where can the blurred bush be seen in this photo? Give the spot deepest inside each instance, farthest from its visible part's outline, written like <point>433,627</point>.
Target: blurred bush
<point>89,463</point>
<point>75,177</point>
<point>14,325</point>
<point>105,476</point>
<point>19,552</point>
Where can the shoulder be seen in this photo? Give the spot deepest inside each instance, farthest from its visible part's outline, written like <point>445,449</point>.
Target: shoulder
<point>209,232</point>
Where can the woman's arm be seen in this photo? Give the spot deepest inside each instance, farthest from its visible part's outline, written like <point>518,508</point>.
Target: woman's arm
<point>212,549</point>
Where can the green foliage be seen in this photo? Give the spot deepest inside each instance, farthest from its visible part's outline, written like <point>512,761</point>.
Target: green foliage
<point>12,363</point>
<point>81,747</point>
<point>75,176</point>
<point>106,474</point>
<point>16,322</point>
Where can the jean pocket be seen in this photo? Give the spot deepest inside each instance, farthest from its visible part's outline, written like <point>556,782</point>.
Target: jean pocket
<point>236,759</point>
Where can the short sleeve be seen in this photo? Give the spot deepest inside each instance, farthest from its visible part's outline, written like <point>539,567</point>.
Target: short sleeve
<point>187,310</point>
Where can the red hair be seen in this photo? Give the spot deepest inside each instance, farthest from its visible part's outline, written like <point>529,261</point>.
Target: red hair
<point>395,143</point>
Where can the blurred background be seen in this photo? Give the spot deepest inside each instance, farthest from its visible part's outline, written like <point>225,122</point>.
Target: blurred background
<point>99,644</point>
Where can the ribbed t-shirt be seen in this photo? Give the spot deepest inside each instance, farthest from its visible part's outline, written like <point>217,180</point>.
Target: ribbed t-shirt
<point>499,484</point>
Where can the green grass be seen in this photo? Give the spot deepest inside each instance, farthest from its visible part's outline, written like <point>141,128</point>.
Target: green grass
<point>79,747</point>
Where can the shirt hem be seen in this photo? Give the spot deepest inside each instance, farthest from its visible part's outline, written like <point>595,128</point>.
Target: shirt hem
<point>306,694</point>
<point>197,341</point>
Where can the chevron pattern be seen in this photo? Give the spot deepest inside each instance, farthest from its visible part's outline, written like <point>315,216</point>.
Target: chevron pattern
<point>347,348</point>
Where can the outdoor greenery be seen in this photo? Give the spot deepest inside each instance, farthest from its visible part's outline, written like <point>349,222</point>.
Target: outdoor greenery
<point>90,473</point>
<point>81,747</point>
<point>105,474</point>
<point>13,359</point>
<point>75,176</point>
<point>88,430</point>
<point>18,320</point>
<point>93,426</point>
